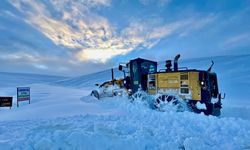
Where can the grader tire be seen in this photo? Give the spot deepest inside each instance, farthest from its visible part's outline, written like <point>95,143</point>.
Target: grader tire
<point>161,100</point>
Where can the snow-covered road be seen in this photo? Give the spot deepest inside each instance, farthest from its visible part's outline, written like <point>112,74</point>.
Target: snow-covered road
<point>67,118</point>
<point>135,130</point>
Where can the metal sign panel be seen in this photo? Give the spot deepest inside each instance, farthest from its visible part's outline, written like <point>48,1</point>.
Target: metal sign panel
<point>23,94</point>
<point>6,101</point>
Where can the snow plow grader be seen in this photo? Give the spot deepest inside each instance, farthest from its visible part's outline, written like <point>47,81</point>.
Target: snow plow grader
<point>177,85</point>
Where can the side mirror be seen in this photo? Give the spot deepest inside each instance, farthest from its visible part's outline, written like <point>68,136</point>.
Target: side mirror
<point>120,67</point>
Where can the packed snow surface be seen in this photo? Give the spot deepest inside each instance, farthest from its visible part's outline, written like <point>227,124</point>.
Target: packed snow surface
<point>75,120</point>
<point>62,115</point>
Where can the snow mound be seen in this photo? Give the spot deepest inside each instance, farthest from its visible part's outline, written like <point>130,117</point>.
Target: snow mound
<point>134,127</point>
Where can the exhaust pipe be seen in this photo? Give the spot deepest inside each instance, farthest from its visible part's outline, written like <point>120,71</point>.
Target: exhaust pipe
<point>176,62</point>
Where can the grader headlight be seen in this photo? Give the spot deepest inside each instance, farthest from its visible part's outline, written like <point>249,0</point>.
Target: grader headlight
<point>202,83</point>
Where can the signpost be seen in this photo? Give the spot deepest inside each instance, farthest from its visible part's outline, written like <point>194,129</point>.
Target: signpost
<point>23,94</point>
<point>6,101</point>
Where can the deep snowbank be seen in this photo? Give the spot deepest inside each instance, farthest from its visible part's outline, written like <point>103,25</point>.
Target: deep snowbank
<point>66,118</point>
<point>134,126</point>
<point>49,102</point>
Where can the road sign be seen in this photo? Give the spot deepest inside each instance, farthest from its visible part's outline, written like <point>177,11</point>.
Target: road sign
<point>6,101</point>
<point>23,94</point>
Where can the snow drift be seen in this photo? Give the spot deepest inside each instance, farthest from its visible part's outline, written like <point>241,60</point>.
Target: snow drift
<point>127,125</point>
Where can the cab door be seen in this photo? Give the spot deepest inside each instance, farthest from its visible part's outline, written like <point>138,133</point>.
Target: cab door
<point>139,70</point>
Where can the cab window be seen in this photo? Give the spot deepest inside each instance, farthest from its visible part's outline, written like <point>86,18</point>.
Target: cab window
<point>135,71</point>
<point>148,67</point>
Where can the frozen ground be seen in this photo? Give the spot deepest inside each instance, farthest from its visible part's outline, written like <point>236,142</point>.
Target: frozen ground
<point>66,118</point>
<point>62,115</point>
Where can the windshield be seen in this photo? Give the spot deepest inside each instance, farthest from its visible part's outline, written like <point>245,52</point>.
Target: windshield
<point>148,67</point>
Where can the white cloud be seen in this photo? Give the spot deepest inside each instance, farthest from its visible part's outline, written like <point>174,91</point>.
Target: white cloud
<point>73,24</point>
<point>196,23</point>
<point>40,66</point>
<point>19,56</point>
<point>237,40</point>
<point>157,2</point>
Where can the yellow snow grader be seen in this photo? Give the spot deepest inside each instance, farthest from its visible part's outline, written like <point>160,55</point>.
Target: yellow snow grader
<point>171,84</point>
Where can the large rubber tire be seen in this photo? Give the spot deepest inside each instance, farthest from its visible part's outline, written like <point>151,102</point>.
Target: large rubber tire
<point>162,100</point>
<point>139,95</point>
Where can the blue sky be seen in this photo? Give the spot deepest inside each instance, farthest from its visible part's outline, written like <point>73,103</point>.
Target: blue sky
<point>74,37</point>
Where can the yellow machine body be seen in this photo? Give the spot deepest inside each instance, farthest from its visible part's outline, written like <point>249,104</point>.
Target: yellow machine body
<point>167,84</point>
<point>183,84</point>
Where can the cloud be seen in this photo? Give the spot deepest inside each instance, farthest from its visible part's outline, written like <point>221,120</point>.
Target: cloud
<point>197,23</point>
<point>40,66</point>
<point>157,2</point>
<point>46,64</point>
<point>91,37</point>
<point>237,40</point>
<point>20,56</point>
<point>72,24</point>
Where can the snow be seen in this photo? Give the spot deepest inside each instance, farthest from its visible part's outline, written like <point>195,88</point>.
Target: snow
<point>20,79</point>
<point>62,115</point>
<point>120,124</point>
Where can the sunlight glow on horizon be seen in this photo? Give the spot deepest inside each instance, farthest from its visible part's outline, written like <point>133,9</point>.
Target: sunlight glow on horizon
<point>96,34</point>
